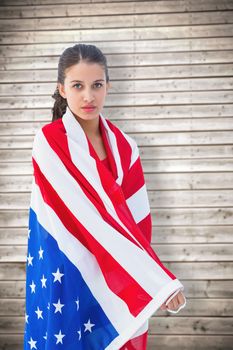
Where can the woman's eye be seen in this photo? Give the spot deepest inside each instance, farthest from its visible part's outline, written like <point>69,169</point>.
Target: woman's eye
<point>99,84</point>
<point>77,85</point>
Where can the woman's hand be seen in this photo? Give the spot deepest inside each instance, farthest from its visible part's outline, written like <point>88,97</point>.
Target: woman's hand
<point>174,303</point>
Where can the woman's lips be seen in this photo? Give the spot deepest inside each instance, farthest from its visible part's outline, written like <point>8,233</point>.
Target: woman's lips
<point>88,109</point>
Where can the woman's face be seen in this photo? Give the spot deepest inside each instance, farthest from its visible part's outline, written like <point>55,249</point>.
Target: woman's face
<point>85,84</point>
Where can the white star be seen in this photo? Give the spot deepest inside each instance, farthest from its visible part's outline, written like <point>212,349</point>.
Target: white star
<point>59,337</point>
<point>29,259</point>
<point>88,326</point>
<point>40,253</point>
<point>43,281</point>
<point>39,313</point>
<point>33,287</point>
<point>48,307</point>
<point>32,343</point>
<point>29,231</point>
<point>26,318</point>
<point>77,302</point>
<point>79,333</point>
<point>57,275</point>
<point>58,306</point>
<point>45,336</point>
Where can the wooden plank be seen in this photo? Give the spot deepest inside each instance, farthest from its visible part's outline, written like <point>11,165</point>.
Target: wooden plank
<point>191,33</point>
<point>15,289</point>
<point>191,325</point>
<point>130,99</point>
<point>191,342</point>
<point>158,199</point>
<point>107,8</point>
<point>160,234</point>
<point>103,30</point>
<point>16,183</point>
<point>133,112</point>
<point>183,165</point>
<point>156,182</point>
<point>176,234</point>
<point>167,252</point>
<point>45,56</point>
<point>142,126</point>
<point>143,139</point>
<point>173,152</point>
<point>112,21</point>
<point>193,252</point>
<point>184,138</point>
<point>160,217</point>
<point>13,236</point>
<point>194,307</point>
<point>19,168</point>
<point>146,153</point>
<point>19,219</point>
<point>192,216</point>
<point>148,72</point>
<point>169,342</point>
<point>183,270</point>
<point>128,113</point>
<point>12,272</point>
<point>19,155</point>
<point>191,180</point>
<point>158,325</point>
<point>193,289</point>
<point>129,86</point>
<point>24,142</point>
<point>12,307</point>
<point>146,46</point>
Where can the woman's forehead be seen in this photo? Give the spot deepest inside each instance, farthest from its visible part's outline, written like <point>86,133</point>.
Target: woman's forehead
<point>85,72</point>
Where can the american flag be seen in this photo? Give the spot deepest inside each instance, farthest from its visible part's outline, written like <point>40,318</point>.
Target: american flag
<point>93,279</point>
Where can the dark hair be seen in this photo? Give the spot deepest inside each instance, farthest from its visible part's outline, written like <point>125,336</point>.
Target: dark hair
<point>73,55</point>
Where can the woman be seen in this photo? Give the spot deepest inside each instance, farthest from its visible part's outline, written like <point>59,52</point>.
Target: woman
<point>93,279</point>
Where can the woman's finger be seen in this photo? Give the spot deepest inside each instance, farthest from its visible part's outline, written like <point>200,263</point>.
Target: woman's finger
<point>181,299</point>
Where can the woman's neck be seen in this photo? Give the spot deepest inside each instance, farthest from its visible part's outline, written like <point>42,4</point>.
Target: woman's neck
<point>90,127</point>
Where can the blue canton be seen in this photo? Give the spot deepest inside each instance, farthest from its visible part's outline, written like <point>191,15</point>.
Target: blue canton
<point>61,311</point>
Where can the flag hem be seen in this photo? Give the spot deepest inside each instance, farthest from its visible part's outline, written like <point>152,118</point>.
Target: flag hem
<point>152,307</point>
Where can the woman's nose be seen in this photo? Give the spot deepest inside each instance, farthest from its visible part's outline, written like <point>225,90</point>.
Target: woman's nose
<point>88,96</point>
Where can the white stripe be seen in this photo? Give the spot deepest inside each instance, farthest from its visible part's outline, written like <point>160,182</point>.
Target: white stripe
<point>113,144</point>
<point>141,330</point>
<point>139,211</point>
<point>133,259</point>
<point>134,147</point>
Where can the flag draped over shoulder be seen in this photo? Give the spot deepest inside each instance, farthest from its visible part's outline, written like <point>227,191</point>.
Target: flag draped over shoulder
<point>93,279</point>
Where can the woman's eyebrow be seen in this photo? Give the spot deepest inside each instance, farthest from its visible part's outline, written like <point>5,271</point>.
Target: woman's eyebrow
<point>80,81</point>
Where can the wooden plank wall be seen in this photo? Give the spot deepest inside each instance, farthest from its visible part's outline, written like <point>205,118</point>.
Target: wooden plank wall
<point>171,67</point>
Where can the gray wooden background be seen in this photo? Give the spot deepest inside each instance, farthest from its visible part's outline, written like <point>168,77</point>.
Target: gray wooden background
<point>171,67</point>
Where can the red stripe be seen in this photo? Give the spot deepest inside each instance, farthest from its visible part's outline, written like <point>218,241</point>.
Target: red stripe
<point>131,187</point>
<point>145,226</point>
<point>125,150</point>
<point>137,343</point>
<point>117,278</point>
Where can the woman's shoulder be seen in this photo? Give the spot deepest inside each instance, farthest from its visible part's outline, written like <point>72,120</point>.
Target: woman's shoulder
<point>51,128</point>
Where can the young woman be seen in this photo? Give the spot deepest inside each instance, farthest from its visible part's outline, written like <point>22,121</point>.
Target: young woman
<point>93,280</point>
